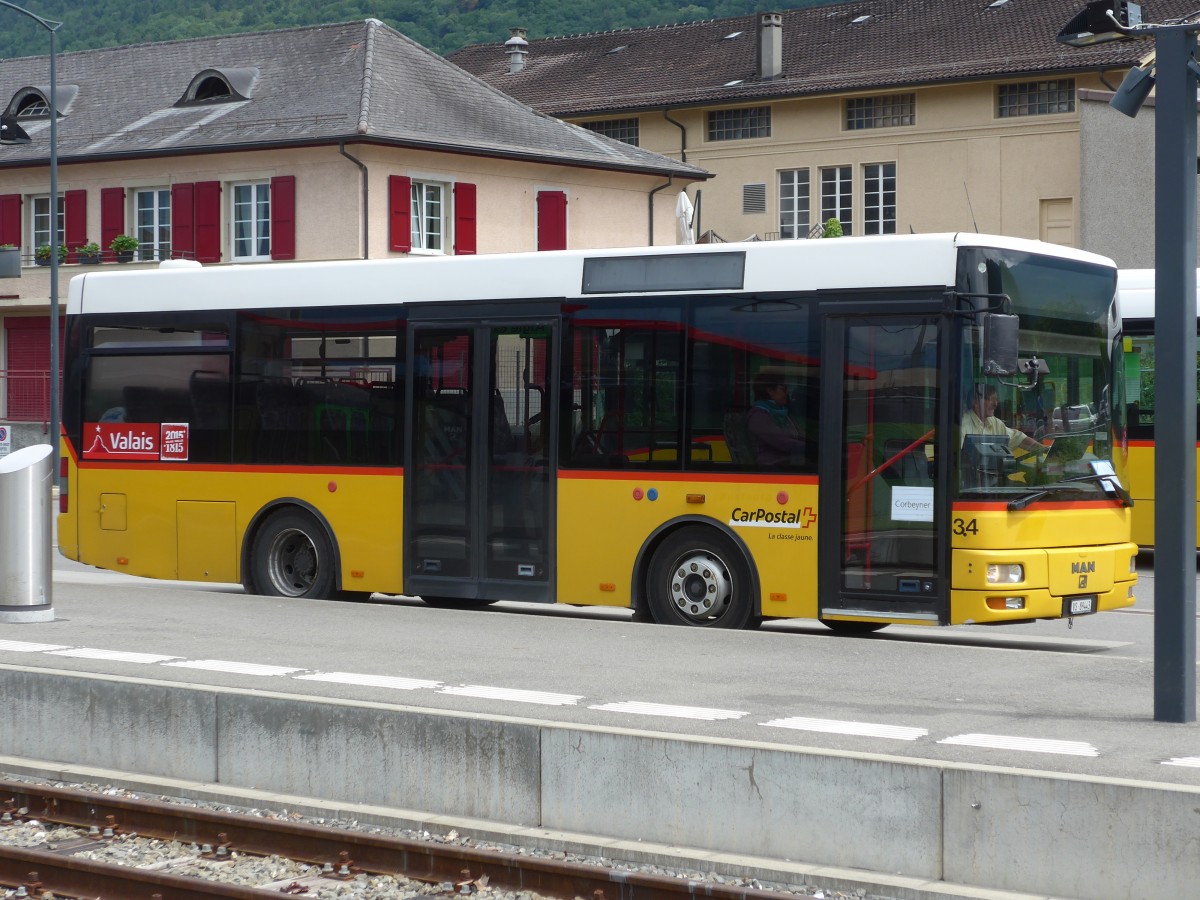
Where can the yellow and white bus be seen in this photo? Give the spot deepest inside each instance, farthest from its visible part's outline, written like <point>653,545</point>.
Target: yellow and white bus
<point>1136,290</point>
<point>579,428</point>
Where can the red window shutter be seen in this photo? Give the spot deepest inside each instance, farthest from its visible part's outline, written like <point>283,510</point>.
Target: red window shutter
<point>112,215</point>
<point>283,217</point>
<point>75,226</point>
<point>28,388</point>
<point>208,221</point>
<point>183,221</point>
<point>551,220</point>
<point>10,219</point>
<point>399,213</point>
<point>464,219</point>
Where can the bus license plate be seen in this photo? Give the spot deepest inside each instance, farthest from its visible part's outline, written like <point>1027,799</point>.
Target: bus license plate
<point>1079,606</point>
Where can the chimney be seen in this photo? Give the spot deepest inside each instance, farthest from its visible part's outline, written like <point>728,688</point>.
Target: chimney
<point>516,48</point>
<point>770,46</point>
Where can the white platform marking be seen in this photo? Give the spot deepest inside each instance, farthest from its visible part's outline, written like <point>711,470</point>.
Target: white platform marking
<point>639,708</point>
<point>862,729</point>
<point>1193,761</point>
<point>238,668</point>
<point>1035,745</point>
<point>114,655</point>
<point>22,647</point>
<point>545,698</point>
<point>384,681</point>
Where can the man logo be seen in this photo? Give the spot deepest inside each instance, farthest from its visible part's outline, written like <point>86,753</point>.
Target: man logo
<point>1083,581</point>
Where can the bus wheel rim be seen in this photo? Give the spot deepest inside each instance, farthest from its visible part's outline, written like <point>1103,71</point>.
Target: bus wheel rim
<point>292,562</point>
<point>700,587</point>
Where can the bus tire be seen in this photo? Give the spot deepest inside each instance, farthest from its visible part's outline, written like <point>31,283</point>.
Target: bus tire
<point>292,557</point>
<point>697,577</point>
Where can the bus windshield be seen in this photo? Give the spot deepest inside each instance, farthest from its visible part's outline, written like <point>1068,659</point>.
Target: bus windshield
<point>1044,431</point>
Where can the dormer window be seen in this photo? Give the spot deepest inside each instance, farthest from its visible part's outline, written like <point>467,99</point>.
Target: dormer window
<point>212,89</point>
<point>219,86</point>
<point>33,106</point>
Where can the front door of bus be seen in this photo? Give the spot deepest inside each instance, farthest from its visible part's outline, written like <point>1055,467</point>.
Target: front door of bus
<point>881,498</point>
<point>478,490</point>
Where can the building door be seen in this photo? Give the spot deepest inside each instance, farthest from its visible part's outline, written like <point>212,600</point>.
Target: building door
<point>478,487</point>
<point>883,501</point>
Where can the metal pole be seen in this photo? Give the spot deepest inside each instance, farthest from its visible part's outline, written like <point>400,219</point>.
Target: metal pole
<point>1175,377</point>
<point>54,218</point>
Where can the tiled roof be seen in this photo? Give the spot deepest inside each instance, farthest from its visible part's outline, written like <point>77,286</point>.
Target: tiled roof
<point>358,82</point>
<point>899,43</point>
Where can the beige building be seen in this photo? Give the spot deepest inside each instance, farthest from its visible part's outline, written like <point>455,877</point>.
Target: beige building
<point>336,142</point>
<point>890,116</point>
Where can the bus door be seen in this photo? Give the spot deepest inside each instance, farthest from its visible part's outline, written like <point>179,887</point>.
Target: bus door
<point>883,496</point>
<point>477,501</point>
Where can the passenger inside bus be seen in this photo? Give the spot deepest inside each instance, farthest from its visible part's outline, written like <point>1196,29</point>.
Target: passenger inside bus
<point>774,437</point>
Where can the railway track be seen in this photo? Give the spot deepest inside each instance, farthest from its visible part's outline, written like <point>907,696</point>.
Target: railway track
<point>79,844</point>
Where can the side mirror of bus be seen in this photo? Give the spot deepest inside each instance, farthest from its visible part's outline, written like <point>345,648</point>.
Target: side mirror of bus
<point>1000,341</point>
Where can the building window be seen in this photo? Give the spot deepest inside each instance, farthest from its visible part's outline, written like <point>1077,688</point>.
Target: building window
<point>623,130</point>
<point>879,198</point>
<point>887,111</point>
<point>152,213</point>
<point>428,216</point>
<point>33,106</point>
<point>738,124</point>
<point>251,220</point>
<point>39,226</point>
<point>836,197</point>
<point>793,203</point>
<point>1036,98</point>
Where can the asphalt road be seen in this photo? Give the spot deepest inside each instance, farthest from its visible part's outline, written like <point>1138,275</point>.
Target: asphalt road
<point>1044,696</point>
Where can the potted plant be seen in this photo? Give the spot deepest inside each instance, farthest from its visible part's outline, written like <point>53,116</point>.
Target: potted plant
<point>41,256</point>
<point>10,261</point>
<point>88,254</point>
<point>123,246</point>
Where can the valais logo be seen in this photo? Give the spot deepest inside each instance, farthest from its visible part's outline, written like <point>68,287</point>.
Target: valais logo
<point>132,440</point>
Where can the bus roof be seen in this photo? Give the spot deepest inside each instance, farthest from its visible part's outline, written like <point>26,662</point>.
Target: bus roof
<point>1135,288</point>
<point>852,262</point>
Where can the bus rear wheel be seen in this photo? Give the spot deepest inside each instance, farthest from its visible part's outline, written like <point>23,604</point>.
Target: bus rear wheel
<point>696,577</point>
<point>292,557</point>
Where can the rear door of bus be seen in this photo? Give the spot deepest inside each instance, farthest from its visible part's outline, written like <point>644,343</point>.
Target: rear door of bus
<point>478,492</point>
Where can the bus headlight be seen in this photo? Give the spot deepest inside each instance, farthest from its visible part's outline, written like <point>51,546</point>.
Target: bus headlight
<point>1005,573</point>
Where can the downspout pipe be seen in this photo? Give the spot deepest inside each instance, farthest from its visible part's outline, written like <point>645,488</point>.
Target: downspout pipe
<point>682,135</point>
<point>670,181</point>
<point>366,212</point>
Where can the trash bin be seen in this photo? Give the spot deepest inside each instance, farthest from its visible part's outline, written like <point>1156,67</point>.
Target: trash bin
<point>25,536</point>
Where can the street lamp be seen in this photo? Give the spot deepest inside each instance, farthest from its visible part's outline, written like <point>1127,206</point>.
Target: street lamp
<point>52,27</point>
<point>1174,72</point>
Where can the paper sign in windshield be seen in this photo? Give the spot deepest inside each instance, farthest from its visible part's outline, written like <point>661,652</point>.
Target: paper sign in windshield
<point>912,504</point>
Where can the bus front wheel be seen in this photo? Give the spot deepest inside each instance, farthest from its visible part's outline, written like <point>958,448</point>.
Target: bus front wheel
<point>696,577</point>
<point>292,557</point>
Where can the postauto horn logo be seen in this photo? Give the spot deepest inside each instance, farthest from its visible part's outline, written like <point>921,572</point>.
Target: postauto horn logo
<point>772,518</point>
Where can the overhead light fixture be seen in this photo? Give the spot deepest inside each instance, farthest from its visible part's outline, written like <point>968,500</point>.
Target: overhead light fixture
<point>1134,89</point>
<point>1101,21</point>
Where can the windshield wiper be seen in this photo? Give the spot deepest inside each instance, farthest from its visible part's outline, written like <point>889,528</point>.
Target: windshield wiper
<point>1073,485</point>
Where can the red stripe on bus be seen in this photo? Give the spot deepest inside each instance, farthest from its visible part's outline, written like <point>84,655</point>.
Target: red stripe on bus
<point>121,465</point>
<point>713,478</point>
<point>1002,505</point>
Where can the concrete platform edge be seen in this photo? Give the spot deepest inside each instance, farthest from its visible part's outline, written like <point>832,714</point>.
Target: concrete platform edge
<point>684,858</point>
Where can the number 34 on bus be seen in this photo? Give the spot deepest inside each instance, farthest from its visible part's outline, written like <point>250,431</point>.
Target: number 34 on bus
<point>859,431</point>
